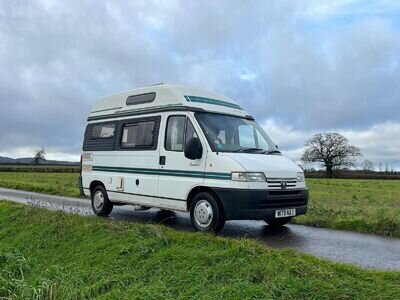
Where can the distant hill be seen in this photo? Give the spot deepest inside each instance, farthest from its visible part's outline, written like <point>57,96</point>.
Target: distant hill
<point>28,160</point>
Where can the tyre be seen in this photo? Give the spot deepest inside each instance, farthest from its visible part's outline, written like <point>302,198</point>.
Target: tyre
<point>273,222</point>
<point>206,214</point>
<point>101,205</point>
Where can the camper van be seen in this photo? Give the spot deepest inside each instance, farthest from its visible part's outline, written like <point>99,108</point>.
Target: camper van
<point>181,148</point>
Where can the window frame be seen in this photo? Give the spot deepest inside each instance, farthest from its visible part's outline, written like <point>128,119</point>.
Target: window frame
<point>123,123</point>
<point>184,132</point>
<point>103,124</point>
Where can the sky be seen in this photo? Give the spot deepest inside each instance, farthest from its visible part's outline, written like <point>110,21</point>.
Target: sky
<point>299,67</point>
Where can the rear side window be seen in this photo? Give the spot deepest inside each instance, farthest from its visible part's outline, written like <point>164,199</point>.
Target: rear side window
<point>100,136</point>
<point>138,135</point>
<point>104,131</point>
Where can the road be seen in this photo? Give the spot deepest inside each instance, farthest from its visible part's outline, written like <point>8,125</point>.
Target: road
<point>364,250</point>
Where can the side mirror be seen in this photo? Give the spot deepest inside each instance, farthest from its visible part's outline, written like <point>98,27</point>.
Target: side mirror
<point>276,146</point>
<point>193,149</point>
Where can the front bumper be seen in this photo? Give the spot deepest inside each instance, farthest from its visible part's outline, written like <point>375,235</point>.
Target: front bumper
<point>241,204</point>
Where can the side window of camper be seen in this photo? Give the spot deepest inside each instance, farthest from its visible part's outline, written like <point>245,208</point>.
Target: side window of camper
<point>103,131</point>
<point>138,135</point>
<point>175,133</point>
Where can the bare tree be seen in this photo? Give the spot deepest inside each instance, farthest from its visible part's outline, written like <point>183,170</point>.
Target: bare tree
<point>332,150</point>
<point>367,165</point>
<point>39,155</point>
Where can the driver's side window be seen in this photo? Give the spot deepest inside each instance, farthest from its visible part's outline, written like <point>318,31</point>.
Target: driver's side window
<point>190,131</point>
<point>179,130</point>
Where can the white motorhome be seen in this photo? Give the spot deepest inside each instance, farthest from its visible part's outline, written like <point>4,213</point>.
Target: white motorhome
<point>177,147</point>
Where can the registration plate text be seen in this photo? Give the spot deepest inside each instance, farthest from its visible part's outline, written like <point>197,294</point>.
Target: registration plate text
<point>282,213</point>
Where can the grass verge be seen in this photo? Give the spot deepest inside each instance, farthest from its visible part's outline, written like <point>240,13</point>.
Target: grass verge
<point>63,184</point>
<point>63,256</point>
<point>371,206</point>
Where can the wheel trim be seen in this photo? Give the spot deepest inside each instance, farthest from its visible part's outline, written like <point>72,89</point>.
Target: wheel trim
<point>203,213</point>
<point>98,200</point>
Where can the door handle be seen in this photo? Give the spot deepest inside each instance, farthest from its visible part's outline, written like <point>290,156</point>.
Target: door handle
<point>162,160</point>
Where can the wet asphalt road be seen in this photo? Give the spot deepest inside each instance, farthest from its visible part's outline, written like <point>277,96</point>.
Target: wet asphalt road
<point>364,250</point>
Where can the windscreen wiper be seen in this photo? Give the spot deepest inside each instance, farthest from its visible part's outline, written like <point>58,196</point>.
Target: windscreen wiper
<point>244,149</point>
<point>272,152</point>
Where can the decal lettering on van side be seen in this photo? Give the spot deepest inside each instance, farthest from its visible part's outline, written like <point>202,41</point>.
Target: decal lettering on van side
<point>164,172</point>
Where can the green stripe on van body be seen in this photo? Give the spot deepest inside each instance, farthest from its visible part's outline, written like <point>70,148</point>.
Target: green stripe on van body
<point>212,101</point>
<point>178,173</point>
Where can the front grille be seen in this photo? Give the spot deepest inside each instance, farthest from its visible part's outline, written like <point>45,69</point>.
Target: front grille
<point>284,199</point>
<point>284,192</point>
<point>276,182</point>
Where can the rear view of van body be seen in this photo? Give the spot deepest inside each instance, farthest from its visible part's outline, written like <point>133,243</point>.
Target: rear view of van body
<point>178,147</point>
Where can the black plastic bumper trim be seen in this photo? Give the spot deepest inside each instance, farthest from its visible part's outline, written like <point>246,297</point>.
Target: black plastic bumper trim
<point>243,204</point>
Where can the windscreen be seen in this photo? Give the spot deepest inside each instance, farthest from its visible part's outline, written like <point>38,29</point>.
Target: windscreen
<point>235,134</point>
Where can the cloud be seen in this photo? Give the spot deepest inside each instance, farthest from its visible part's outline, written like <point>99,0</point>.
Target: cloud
<point>307,66</point>
<point>378,143</point>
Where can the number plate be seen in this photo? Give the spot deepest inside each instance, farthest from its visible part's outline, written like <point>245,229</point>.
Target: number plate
<point>282,213</point>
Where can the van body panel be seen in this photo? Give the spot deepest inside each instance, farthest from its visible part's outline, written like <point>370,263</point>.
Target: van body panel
<point>224,165</point>
<point>167,95</point>
<point>144,200</point>
<point>136,169</point>
<point>275,168</point>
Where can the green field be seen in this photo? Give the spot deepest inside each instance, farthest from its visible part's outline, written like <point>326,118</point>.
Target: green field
<point>63,184</point>
<point>352,204</point>
<point>361,205</point>
<point>64,256</point>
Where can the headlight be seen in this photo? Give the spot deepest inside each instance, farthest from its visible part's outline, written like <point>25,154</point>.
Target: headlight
<point>300,177</point>
<point>248,176</point>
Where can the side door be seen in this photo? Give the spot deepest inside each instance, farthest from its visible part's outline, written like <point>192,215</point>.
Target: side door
<point>136,159</point>
<point>178,174</point>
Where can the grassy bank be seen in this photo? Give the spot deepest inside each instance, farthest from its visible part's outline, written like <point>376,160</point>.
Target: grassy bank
<point>72,257</point>
<point>64,184</point>
<point>371,206</point>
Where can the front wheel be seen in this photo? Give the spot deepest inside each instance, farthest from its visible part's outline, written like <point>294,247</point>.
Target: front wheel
<point>273,222</point>
<point>206,214</point>
<point>101,205</point>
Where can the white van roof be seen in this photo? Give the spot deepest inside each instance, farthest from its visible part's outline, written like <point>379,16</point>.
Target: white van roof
<point>163,97</point>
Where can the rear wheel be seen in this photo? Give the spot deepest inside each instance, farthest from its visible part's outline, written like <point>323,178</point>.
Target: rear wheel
<point>101,205</point>
<point>206,214</point>
<point>277,222</point>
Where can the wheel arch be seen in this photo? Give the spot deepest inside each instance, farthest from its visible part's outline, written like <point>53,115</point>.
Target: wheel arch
<point>95,183</point>
<point>199,189</point>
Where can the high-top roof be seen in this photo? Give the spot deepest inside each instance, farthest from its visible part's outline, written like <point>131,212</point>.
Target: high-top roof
<point>163,96</point>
